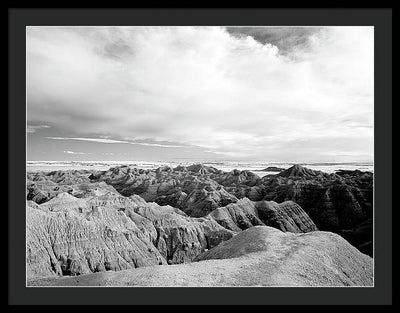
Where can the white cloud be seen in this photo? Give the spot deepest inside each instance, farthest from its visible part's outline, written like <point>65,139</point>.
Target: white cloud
<point>202,86</point>
<point>73,152</point>
<point>155,145</point>
<point>34,128</point>
<point>103,140</point>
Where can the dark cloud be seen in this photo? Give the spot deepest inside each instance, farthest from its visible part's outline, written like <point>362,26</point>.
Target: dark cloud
<point>287,39</point>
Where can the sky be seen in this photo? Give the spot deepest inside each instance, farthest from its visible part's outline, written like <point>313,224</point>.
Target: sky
<point>271,94</point>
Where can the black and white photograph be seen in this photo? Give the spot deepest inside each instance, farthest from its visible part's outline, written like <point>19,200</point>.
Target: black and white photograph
<point>200,156</point>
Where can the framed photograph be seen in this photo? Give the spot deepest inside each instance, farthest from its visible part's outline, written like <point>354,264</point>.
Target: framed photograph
<point>243,155</point>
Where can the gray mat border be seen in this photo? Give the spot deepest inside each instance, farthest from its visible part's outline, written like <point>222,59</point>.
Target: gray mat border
<point>380,294</point>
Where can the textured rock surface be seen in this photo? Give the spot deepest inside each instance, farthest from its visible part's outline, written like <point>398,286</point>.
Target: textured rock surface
<point>75,236</point>
<point>42,186</point>
<point>334,202</point>
<point>72,242</point>
<point>188,188</point>
<point>286,216</point>
<point>179,237</point>
<point>258,256</point>
<point>273,169</point>
<point>340,202</point>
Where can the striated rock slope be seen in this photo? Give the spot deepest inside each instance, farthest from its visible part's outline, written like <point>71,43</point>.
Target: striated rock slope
<point>341,202</point>
<point>73,242</point>
<point>41,186</point>
<point>286,216</point>
<point>258,256</point>
<point>75,236</point>
<point>190,189</point>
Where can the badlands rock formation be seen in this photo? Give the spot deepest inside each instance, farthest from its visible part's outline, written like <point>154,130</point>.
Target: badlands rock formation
<point>258,256</point>
<point>273,169</point>
<point>83,222</point>
<point>286,216</point>
<point>188,188</point>
<point>340,202</point>
<point>75,236</point>
<point>41,187</point>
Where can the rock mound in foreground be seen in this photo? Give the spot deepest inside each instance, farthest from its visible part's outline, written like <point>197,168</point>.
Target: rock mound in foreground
<point>258,256</point>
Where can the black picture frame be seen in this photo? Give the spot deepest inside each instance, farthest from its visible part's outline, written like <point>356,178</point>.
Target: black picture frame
<point>381,293</point>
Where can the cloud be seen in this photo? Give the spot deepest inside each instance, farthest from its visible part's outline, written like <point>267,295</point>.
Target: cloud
<point>34,128</point>
<point>104,140</point>
<point>155,145</point>
<point>101,140</point>
<point>72,152</point>
<point>288,39</point>
<point>207,87</point>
